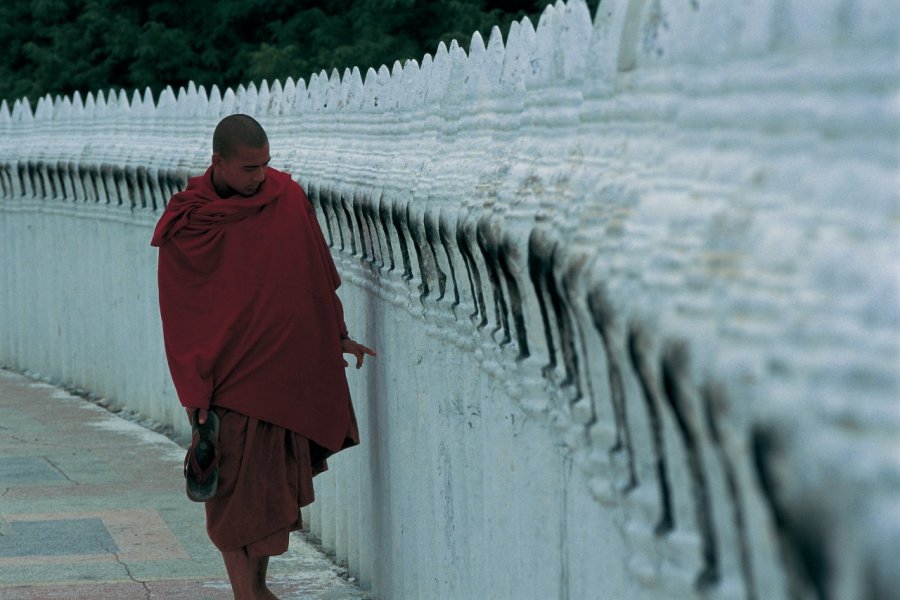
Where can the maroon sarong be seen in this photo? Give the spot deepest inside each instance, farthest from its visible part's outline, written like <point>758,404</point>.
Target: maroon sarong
<point>265,476</point>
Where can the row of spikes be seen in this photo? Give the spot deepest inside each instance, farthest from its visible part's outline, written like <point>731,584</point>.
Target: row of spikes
<point>556,49</point>
<point>567,45</point>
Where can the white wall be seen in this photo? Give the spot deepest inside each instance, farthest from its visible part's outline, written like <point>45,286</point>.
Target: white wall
<point>676,371</point>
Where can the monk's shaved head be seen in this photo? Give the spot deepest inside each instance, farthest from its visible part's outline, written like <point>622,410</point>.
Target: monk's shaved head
<point>235,131</point>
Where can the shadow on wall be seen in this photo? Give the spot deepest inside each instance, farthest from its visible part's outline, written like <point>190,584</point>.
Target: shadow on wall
<point>138,187</point>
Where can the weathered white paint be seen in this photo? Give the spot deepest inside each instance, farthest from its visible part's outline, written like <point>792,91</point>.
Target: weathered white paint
<point>611,265</point>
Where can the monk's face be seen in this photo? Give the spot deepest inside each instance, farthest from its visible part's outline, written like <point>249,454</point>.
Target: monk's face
<point>241,172</point>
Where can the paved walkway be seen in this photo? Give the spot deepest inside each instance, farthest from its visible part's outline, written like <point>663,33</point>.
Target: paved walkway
<point>93,507</point>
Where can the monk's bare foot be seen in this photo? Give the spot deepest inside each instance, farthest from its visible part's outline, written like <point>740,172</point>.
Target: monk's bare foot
<point>253,593</point>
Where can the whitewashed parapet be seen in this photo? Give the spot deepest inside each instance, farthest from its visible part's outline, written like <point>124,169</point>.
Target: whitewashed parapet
<point>670,229</point>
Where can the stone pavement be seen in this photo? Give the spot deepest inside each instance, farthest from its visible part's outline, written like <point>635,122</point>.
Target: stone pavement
<point>92,506</point>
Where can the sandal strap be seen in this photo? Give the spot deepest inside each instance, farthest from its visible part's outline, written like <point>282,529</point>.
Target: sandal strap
<point>200,473</point>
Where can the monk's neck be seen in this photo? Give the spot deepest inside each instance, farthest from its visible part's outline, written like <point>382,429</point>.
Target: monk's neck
<point>223,190</point>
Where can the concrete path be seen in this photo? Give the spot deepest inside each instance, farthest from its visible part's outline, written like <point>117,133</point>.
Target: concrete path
<point>92,506</point>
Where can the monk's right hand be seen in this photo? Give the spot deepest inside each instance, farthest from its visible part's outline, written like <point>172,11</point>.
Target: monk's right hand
<point>202,415</point>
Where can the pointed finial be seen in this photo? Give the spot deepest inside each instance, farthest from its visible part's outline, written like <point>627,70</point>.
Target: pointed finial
<point>214,106</point>
<point>229,102</point>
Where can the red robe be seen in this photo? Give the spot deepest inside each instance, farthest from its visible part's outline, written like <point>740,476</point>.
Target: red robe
<point>251,320</point>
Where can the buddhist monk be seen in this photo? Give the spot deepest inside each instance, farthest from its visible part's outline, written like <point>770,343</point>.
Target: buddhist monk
<point>254,336</point>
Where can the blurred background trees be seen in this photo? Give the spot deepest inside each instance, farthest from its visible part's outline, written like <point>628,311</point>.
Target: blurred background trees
<point>60,46</point>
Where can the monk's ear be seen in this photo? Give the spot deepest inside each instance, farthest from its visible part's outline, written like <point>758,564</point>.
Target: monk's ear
<point>216,159</point>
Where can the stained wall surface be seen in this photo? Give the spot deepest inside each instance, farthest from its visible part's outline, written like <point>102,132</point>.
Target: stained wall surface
<point>633,280</point>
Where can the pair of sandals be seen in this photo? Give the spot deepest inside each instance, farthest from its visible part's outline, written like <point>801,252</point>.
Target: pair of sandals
<point>201,464</point>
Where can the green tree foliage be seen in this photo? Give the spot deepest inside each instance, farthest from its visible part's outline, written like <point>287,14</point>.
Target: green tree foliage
<point>60,46</point>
